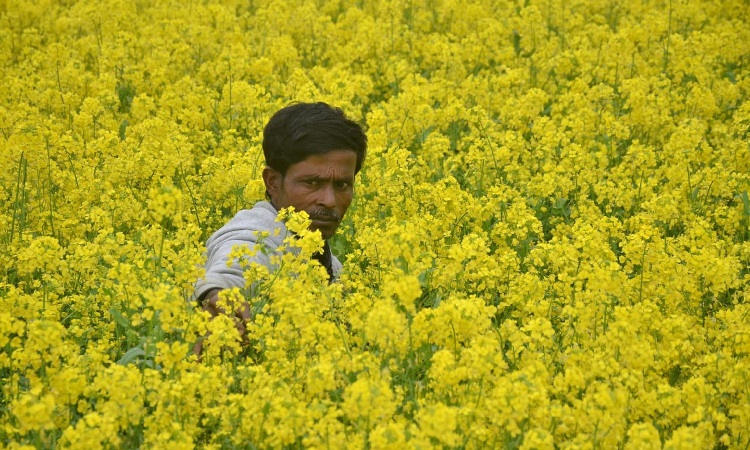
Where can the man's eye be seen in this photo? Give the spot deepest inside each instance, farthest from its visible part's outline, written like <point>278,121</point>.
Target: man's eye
<point>343,185</point>
<point>312,183</point>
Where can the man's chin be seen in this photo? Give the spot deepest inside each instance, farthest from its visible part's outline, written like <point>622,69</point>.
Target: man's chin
<point>326,228</point>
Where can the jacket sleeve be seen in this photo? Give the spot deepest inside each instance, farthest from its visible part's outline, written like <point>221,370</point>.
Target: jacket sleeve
<point>219,274</point>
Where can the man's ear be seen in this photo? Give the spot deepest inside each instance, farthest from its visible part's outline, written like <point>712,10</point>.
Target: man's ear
<point>273,179</point>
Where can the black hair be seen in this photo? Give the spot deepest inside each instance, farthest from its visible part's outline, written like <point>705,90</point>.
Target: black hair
<point>304,129</point>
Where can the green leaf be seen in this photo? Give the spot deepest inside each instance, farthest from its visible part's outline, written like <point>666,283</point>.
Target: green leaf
<point>119,318</point>
<point>123,127</point>
<point>131,355</point>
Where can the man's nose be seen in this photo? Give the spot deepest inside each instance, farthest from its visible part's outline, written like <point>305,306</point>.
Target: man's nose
<point>327,196</point>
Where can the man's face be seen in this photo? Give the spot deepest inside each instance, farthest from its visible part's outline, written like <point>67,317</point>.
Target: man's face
<point>322,185</point>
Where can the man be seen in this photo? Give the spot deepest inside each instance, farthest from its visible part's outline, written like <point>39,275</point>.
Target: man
<point>312,154</point>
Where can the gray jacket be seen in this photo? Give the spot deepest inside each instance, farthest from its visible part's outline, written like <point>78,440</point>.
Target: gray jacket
<point>243,229</point>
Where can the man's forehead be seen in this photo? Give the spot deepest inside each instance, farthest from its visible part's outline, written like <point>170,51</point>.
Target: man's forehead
<point>339,160</point>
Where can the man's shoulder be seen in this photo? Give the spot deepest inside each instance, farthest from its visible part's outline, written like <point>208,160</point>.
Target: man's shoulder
<point>247,223</point>
<point>262,214</point>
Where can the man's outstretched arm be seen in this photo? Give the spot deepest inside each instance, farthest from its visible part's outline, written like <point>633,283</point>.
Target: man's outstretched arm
<point>210,303</point>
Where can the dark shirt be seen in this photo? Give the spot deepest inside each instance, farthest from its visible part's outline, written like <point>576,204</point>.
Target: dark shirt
<point>324,258</point>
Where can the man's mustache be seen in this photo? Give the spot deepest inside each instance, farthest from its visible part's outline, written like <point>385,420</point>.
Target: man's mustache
<point>324,214</point>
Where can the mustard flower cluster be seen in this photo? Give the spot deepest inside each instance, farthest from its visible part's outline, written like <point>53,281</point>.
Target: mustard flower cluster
<point>549,245</point>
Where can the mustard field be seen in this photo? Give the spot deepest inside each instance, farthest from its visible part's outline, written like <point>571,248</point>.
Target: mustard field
<point>549,246</point>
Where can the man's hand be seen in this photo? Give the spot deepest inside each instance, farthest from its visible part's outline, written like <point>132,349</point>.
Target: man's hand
<point>240,315</point>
